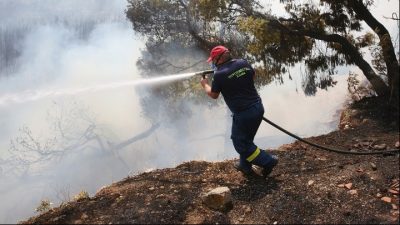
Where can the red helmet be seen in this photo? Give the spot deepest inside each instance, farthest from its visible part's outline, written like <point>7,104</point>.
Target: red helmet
<point>216,51</point>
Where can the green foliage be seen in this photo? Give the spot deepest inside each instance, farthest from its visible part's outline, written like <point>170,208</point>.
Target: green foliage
<point>259,37</point>
<point>357,90</point>
<point>208,10</point>
<point>44,206</point>
<point>81,196</point>
<point>273,44</point>
<point>368,39</point>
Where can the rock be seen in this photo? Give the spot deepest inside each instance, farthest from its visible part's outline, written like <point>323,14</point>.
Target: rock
<point>310,182</point>
<point>248,209</point>
<point>379,195</point>
<point>218,198</point>
<point>386,199</point>
<point>341,185</point>
<point>365,143</point>
<point>151,188</point>
<point>395,192</point>
<point>84,216</point>
<point>353,192</point>
<point>346,127</point>
<point>397,145</point>
<point>373,166</point>
<point>160,196</point>
<point>394,206</point>
<point>380,147</point>
<point>373,140</point>
<point>349,185</point>
<point>58,218</point>
<point>365,121</point>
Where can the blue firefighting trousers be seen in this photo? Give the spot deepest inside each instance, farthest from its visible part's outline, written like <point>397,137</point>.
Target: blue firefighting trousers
<point>244,127</point>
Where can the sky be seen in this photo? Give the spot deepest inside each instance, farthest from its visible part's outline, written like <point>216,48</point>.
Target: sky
<point>102,136</point>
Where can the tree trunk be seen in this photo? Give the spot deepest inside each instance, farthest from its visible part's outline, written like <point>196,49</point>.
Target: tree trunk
<point>385,42</point>
<point>377,83</point>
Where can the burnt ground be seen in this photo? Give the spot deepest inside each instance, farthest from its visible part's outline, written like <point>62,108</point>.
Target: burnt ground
<point>307,186</point>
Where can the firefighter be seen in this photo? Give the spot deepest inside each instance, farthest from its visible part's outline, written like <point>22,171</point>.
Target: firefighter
<point>234,79</point>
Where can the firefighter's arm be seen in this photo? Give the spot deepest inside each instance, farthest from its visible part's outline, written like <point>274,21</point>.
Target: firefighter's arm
<point>207,88</point>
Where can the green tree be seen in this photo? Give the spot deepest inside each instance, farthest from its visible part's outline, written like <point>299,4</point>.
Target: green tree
<point>323,34</point>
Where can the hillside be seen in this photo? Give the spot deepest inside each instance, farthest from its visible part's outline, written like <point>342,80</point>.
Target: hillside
<point>307,186</point>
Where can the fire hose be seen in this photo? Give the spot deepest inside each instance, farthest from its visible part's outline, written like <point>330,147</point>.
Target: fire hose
<point>330,149</point>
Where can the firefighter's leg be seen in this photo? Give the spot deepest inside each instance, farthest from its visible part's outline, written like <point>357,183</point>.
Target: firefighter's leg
<point>241,145</point>
<point>244,127</point>
<point>261,158</point>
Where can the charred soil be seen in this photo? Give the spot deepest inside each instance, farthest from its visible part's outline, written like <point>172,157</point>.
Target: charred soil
<point>307,186</point>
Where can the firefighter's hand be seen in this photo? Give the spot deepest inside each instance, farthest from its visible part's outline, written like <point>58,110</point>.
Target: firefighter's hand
<point>204,82</point>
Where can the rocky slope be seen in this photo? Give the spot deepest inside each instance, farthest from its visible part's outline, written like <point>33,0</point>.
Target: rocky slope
<point>307,186</point>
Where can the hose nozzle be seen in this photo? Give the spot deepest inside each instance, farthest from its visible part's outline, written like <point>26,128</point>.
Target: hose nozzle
<point>204,73</point>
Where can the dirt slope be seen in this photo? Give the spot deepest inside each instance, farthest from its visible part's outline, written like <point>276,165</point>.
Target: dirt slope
<point>307,186</point>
